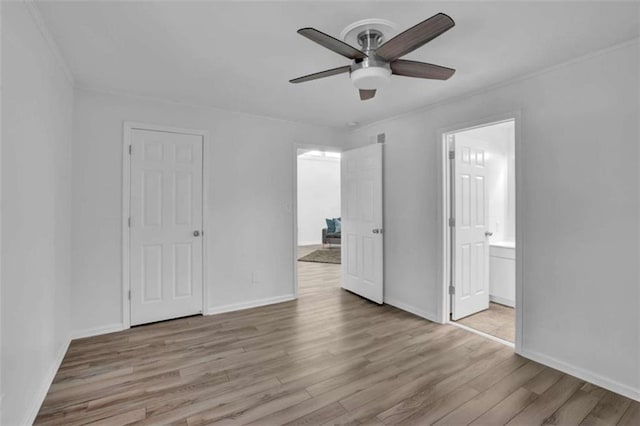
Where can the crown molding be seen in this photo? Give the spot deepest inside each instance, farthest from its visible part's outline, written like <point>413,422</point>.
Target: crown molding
<point>196,105</point>
<point>55,50</point>
<point>33,10</point>
<point>492,87</point>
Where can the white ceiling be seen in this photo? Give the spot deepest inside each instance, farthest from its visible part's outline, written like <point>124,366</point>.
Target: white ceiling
<point>239,56</point>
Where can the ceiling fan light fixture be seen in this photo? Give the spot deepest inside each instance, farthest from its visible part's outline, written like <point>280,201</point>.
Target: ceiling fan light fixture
<point>379,56</point>
<point>371,78</point>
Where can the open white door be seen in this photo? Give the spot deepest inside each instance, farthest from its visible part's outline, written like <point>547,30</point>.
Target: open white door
<point>166,225</point>
<point>471,258</point>
<point>362,238</point>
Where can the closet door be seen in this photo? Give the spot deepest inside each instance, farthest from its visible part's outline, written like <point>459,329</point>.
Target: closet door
<point>166,225</point>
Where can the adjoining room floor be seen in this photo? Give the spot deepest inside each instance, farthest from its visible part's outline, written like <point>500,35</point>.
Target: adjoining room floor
<point>305,250</point>
<point>330,357</point>
<point>317,278</point>
<point>318,254</point>
<point>498,320</point>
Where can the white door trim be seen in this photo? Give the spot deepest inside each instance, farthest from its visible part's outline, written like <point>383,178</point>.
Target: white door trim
<point>443,240</point>
<point>294,203</point>
<point>128,126</point>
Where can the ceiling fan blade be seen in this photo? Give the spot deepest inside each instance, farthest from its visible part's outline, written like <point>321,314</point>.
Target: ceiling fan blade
<point>331,43</point>
<point>367,94</point>
<point>321,74</point>
<point>421,70</point>
<point>415,37</point>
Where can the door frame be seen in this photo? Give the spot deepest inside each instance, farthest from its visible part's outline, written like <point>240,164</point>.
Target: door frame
<point>127,128</point>
<point>443,213</point>
<point>294,204</point>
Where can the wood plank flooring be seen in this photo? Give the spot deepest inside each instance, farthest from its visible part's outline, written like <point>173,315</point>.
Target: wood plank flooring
<point>498,320</point>
<point>328,358</point>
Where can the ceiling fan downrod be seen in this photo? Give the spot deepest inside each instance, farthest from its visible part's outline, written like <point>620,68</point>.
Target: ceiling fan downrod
<point>371,72</point>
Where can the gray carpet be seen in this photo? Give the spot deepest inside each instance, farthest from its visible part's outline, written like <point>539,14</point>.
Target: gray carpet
<point>329,255</point>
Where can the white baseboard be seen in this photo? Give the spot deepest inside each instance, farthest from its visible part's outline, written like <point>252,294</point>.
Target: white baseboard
<point>248,305</point>
<point>588,376</point>
<point>412,309</point>
<point>41,393</point>
<point>111,328</point>
<point>502,301</point>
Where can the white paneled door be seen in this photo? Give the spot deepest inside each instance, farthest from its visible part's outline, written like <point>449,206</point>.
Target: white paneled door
<point>471,258</point>
<point>362,237</point>
<point>166,225</point>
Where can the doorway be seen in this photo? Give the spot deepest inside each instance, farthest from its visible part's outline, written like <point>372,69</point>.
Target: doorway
<point>319,223</point>
<point>163,245</point>
<point>480,174</point>
<point>345,250</point>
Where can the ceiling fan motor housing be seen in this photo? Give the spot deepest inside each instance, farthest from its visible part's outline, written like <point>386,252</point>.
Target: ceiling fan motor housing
<point>371,72</point>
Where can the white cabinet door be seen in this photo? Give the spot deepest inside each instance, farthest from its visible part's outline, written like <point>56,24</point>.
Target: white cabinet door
<point>362,237</point>
<point>166,225</point>
<point>471,259</point>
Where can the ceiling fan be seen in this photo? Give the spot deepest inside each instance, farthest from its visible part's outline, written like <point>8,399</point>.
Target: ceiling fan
<point>373,65</point>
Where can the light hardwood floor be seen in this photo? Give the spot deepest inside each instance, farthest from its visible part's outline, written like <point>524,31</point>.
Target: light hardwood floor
<point>328,358</point>
<point>498,320</point>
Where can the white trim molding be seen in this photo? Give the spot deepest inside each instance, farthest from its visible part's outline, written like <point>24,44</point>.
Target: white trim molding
<point>582,374</point>
<point>96,331</point>
<point>250,304</point>
<point>495,86</point>
<point>36,15</point>
<point>483,334</point>
<point>412,310</point>
<point>443,195</point>
<point>41,393</point>
<point>502,301</point>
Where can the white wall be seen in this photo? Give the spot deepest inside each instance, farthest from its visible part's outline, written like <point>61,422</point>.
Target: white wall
<point>579,207</point>
<point>497,175</point>
<point>37,104</point>
<point>318,196</point>
<point>249,213</point>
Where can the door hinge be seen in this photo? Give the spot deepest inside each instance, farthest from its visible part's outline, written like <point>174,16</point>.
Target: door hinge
<point>452,222</point>
<point>129,222</point>
<point>452,155</point>
<point>130,149</point>
<point>129,294</point>
<point>452,290</point>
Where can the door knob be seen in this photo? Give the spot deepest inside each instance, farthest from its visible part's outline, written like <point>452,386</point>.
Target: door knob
<point>196,233</point>
<point>488,234</point>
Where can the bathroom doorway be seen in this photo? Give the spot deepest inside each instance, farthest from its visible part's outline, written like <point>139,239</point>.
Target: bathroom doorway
<point>481,228</point>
